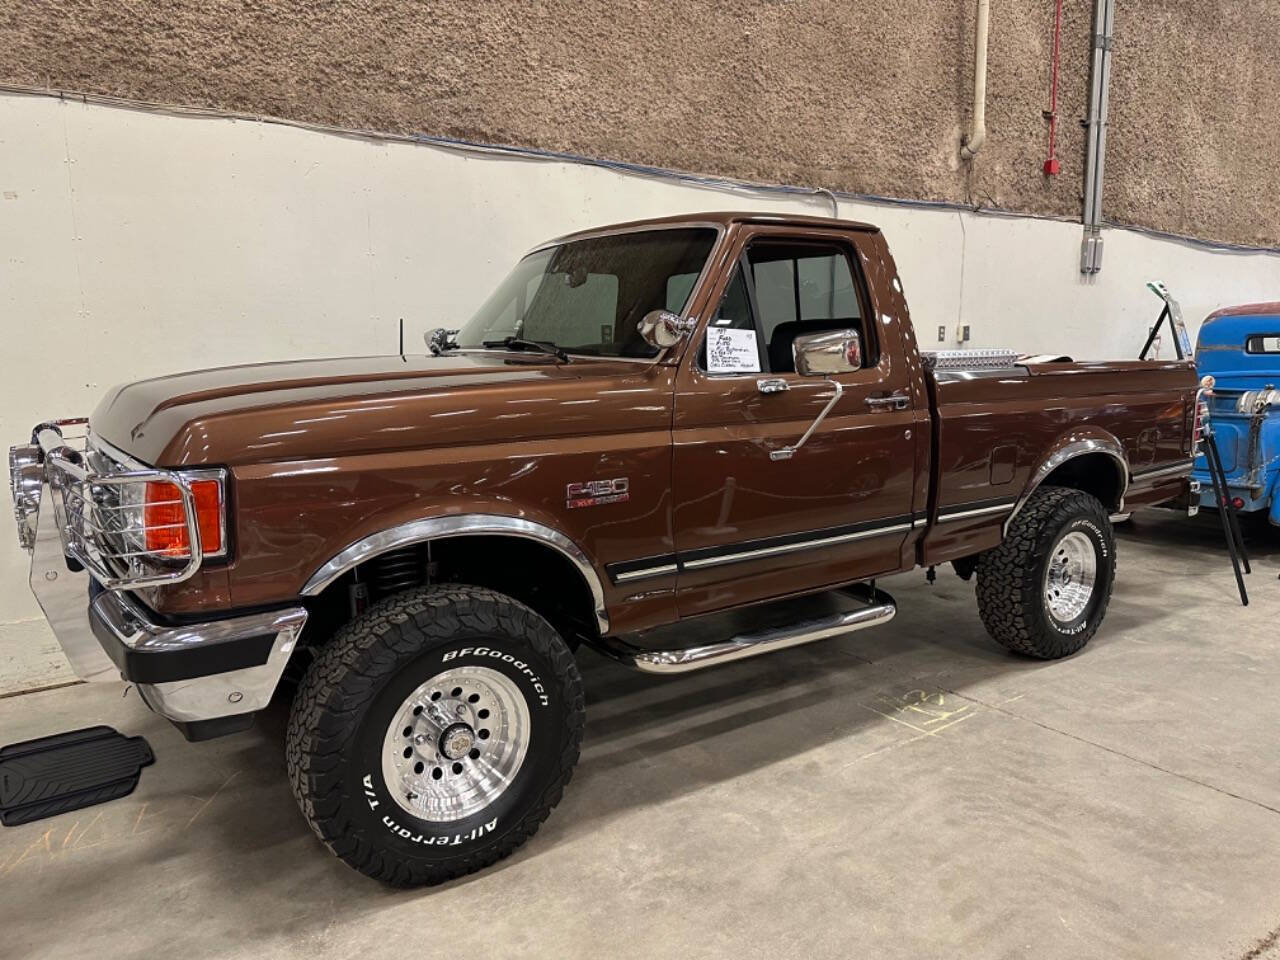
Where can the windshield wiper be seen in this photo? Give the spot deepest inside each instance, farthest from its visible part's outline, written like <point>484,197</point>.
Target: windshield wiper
<point>519,343</point>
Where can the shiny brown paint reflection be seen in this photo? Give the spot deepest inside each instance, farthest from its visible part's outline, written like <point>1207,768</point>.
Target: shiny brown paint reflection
<point>859,466</point>
<point>324,452</point>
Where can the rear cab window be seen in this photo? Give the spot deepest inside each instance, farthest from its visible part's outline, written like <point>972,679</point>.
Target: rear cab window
<point>1262,343</point>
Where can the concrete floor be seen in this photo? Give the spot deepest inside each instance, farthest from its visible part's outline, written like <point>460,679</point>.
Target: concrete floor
<point>911,791</point>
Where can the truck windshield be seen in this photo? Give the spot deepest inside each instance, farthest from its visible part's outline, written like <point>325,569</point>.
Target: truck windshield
<point>588,296</point>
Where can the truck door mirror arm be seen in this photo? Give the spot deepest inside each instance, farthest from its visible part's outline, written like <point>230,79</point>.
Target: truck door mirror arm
<point>817,355</point>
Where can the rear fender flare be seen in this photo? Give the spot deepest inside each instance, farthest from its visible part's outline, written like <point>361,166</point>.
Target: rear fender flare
<point>1077,443</point>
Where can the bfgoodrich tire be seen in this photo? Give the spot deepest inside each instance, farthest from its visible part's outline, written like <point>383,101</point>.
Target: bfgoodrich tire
<point>434,733</point>
<point>1044,591</point>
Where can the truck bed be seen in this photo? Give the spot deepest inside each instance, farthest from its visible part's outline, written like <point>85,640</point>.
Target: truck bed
<point>997,431</point>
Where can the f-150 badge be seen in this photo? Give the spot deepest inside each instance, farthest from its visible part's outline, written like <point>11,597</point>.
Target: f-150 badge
<point>595,493</point>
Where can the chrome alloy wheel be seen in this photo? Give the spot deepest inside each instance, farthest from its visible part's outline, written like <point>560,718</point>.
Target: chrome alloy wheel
<point>1070,576</point>
<point>456,744</point>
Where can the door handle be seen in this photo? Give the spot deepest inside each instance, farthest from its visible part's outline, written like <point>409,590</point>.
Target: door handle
<point>894,401</point>
<point>772,385</point>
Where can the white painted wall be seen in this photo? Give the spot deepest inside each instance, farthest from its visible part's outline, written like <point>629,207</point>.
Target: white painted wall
<point>134,243</point>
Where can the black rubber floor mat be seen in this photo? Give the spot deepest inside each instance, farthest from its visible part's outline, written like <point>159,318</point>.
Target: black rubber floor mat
<point>39,778</point>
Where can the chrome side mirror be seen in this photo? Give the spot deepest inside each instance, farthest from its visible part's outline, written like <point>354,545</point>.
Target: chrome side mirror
<point>662,328</point>
<point>822,354</point>
<point>439,340</point>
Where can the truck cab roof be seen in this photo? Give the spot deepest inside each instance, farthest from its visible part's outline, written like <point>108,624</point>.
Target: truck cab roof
<point>724,219</point>
<point>1239,345</point>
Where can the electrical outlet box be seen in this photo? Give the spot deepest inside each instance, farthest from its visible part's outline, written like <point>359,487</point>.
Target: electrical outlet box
<point>964,333</point>
<point>942,334</point>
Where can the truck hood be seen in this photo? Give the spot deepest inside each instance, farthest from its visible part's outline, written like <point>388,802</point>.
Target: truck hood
<point>352,405</point>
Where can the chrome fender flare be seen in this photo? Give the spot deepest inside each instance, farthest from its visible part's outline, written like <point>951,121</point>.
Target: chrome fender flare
<point>1069,451</point>
<point>460,525</point>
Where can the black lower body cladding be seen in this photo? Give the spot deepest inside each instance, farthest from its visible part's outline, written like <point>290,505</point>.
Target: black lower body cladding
<point>434,733</point>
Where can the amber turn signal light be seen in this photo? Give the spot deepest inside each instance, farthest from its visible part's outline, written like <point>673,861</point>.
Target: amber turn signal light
<point>165,521</point>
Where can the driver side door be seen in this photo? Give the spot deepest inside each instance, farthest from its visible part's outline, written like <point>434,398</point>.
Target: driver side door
<point>751,523</point>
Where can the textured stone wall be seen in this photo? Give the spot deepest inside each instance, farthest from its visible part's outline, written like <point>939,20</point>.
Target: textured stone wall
<point>1194,138</point>
<point>862,95</point>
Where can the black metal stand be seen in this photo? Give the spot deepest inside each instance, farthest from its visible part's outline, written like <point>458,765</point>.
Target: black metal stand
<point>1228,508</point>
<point>1182,346</point>
<point>1151,337</point>
<point>1230,524</point>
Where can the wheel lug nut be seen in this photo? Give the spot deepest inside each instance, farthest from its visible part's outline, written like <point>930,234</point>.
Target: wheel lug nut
<point>420,739</point>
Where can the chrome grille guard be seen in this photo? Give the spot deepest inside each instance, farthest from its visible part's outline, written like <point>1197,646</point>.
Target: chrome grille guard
<point>102,528</point>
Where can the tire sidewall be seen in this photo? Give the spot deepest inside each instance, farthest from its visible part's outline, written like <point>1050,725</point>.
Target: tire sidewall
<point>385,822</point>
<point>1096,528</point>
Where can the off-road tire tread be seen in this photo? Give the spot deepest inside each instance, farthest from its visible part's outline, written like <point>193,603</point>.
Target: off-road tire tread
<point>1008,575</point>
<point>353,665</point>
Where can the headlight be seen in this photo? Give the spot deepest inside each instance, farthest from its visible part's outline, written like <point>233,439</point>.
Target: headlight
<point>25,479</point>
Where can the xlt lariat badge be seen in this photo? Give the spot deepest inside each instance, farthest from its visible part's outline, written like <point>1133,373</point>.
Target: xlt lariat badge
<point>596,493</point>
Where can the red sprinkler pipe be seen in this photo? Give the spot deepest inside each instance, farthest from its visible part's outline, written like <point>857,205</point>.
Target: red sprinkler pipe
<point>1051,164</point>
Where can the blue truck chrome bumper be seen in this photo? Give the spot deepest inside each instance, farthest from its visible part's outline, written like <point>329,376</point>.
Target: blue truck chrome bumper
<point>1249,504</point>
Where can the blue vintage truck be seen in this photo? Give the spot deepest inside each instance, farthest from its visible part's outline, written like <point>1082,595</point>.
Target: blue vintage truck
<point>1240,348</point>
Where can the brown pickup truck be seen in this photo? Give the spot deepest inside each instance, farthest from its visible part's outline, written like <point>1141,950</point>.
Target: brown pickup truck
<point>645,429</point>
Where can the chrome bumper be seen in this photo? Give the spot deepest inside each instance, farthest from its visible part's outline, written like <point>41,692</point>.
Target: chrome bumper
<point>219,669</point>
<point>188,673</point>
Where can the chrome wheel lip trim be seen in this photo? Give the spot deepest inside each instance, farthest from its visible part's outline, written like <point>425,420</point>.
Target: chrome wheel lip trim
<point>1077,448</point>
<point>1070,577</point>
<point>456,525</point>
<point>486,778</point>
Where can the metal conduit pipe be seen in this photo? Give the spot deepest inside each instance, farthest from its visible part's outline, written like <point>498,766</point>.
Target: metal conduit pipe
<point>978,132</point>
<point>1096,139</point>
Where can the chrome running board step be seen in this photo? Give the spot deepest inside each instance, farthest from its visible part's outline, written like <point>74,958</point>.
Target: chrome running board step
<point>876,608</point>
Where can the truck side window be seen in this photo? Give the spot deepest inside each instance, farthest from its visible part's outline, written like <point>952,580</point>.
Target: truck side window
<point>803,287</point>
<point>734,313</point>
<point>735,310</point>
<point>679,286</point>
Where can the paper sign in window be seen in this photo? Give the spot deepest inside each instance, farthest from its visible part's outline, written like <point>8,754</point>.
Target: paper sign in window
<point>732,351</point>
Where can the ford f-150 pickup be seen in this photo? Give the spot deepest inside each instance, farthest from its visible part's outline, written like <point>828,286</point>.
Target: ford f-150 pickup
<point>643,430</point>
